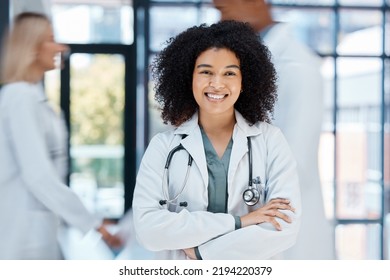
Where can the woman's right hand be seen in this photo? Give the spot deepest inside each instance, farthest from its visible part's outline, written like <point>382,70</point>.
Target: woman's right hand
<point>113,241</point>
<point>268,214</point>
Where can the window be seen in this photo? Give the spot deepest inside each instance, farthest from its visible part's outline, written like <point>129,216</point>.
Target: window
<point>93,21</point>
<point>98,98</point>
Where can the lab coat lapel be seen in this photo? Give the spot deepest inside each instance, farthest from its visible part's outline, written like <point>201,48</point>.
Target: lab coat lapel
<point>242,130</point>
<point>193,143</point>
<point>240,148</point>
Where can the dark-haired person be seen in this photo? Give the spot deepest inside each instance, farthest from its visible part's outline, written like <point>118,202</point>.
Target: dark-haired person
<point>33,150</point>
<point>223,183</point>
<point>298,113</point>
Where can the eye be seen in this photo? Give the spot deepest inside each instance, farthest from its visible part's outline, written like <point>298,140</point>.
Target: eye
<point>205,72</point>
<point>230,73</point>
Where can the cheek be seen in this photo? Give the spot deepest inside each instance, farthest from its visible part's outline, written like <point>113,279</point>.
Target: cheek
<point>47,54</point>
<point>197,91</point>
<point>197,86</point>
<point>236,86</point>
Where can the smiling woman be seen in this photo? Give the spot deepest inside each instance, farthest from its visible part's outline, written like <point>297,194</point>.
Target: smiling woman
<point>176,63</point>
<point>34,50</point>
<point>219,95</point>
<point>216,86</point>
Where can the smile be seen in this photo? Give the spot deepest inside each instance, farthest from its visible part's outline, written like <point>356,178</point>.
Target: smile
<point>216,96</point>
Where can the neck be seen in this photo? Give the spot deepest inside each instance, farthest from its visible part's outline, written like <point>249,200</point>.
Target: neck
<point>220,124</point>
<point>219,129</point>
<point>34,75</point>
<point>264,18</point>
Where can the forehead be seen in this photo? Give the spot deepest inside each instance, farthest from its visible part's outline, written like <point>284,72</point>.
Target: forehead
<point>48,31</point>
<point>217,54</point>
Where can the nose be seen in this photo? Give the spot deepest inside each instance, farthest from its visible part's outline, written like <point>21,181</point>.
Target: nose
<point>216,82</point>
<point>64,50</point>
<point>62,54</point>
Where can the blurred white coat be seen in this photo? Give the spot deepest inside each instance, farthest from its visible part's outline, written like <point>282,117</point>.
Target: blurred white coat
<point>33,165</point>
<point>298,113</point>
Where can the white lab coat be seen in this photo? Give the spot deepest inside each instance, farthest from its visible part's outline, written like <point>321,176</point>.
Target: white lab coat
<point>168,230</point>
<point>33,165</point>
<point>298,113</point>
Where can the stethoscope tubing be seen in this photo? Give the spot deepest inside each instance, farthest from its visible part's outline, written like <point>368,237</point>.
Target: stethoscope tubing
<point>165,178</point>
<point>166,174</point>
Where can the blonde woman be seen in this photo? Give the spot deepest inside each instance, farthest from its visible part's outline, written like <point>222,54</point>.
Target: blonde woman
<point>33,163</point>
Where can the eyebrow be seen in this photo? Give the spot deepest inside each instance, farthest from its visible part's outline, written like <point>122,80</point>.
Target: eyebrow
<point>208,65</point>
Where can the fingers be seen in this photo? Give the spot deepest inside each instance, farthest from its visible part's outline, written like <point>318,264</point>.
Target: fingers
<point>282,216</point>
<point>269,213</point>
<point>276,224</point>
<point>280,204</point>
<point>112,241</point>
<point>190,252</point>
<point>273,211</point>
<point>271,216</point>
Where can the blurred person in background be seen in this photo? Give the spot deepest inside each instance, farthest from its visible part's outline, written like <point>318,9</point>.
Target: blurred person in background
<point>298,112</point>
<point>34,200</point>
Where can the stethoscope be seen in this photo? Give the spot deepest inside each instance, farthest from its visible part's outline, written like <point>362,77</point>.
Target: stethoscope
<point>165,182</point>
<point>251,195</point>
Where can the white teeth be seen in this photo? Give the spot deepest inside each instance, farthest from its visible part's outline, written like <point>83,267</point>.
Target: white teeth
<point>215,96</point>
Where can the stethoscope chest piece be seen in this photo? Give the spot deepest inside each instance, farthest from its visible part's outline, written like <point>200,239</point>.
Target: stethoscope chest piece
<point>255,192</point>
<point>251,196</point>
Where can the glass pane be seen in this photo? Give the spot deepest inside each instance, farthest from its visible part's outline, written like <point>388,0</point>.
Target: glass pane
<point>97,103</point>
<point>387,127</point>
<point>325,165</point>
<point>327,71</point>
<point>386,238</point>
<point>311,2</point>
<point>314,27</point>
<point>387,33</point>
<point>326,148</point>
<point>361,2</point>
<point>358,138</point>
<point>166,22</point>
<point>360,32</point>
<point>386,153</point>
<point>208,15</point>
<point>103,22</point>
<point>358,242</point>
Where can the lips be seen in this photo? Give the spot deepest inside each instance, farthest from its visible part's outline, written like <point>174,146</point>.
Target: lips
<point>214,96</point>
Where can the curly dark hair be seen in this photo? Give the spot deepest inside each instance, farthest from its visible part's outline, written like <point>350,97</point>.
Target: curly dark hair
<point>173,69</point>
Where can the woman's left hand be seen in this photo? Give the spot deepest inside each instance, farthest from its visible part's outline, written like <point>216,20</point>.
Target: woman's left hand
<point>268,213</point>
<point>190,252</point>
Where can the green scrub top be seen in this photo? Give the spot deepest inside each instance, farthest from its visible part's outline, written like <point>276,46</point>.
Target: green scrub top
<point>217,170</point>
